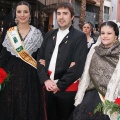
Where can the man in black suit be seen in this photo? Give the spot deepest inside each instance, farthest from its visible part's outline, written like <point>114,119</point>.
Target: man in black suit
<point>61,60</point>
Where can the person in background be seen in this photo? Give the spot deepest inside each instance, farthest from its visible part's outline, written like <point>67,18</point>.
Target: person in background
<point>21,97</point>
<point>96,33</point>
<point>88,30</point>
<point>100,79</point>
<point>61,47</point>
<point>7,22</point>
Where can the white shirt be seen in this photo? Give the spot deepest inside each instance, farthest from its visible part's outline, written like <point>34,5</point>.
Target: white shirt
<point>60,35</point>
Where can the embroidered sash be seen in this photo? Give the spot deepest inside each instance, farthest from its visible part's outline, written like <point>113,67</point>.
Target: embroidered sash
<point>19,47</point>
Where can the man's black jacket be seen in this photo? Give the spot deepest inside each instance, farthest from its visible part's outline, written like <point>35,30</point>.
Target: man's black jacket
<point>73,48</point>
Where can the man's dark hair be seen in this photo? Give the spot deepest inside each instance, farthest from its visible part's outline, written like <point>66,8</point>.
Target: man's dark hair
<point>66,5</point>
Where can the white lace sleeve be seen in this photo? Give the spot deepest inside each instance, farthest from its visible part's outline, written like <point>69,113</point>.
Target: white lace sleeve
<point>7,44</point>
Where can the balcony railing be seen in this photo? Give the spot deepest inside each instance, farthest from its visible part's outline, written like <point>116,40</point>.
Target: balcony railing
<point>51,2</point>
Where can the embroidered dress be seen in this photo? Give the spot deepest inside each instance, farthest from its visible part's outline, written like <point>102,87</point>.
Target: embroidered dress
<point>21,99</point>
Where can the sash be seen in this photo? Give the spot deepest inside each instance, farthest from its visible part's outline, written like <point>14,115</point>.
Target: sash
<point>19,47</point>
<point>72,87</point>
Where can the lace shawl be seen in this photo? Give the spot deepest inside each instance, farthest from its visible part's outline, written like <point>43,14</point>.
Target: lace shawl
<point>31,43</point>
<point>113,88</point>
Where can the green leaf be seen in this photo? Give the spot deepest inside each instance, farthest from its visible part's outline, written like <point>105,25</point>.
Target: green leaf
<point>107,106</point>
<point>99,108</point>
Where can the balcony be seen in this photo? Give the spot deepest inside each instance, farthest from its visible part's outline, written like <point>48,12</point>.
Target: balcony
<point>50,5</point>
<point>89,1</point>
<point>52,2</point>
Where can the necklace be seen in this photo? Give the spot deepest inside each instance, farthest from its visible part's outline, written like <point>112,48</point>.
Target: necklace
<point>22,39</point>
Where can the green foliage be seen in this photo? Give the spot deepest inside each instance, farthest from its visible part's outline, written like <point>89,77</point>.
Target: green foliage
<point>99,107</point>
<point>107,106</point>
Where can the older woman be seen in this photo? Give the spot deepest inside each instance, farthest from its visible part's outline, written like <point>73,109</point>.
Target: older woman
<point>88,30</point>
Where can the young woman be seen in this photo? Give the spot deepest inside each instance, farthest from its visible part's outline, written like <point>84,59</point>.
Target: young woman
<point>21,97</point>
<point>100,78</point>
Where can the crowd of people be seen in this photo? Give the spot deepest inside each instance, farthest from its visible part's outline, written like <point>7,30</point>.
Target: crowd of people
<point>61,76</point>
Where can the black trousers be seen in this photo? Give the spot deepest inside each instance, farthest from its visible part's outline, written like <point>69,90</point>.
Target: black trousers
<point>59,106</point>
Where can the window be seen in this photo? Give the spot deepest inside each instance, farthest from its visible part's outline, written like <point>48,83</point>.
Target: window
<point>106,10</point>
<point>108,0</point>
<point>92,8</point>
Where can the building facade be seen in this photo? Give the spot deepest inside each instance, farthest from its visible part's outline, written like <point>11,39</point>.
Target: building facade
<point>112,10</point>
<point>91,13</point>
<point>44,12</point>
<point>115,10</point>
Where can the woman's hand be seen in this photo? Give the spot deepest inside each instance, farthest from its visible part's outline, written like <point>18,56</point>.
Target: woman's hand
<point>42,62</point>
<point>72,64</point>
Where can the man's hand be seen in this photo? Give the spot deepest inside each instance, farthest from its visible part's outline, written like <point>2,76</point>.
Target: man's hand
<point>49,84</point>
<point>56,89</point>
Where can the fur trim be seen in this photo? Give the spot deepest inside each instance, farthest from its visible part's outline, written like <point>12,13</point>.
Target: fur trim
<point>85,79</point>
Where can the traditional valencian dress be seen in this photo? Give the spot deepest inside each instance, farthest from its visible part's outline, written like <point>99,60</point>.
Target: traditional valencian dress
<point>101,77</point>
<point>21,98</point>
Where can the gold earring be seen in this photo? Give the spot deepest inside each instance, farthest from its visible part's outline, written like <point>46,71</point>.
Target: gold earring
<point>16,21</point>
<point>115,41</point>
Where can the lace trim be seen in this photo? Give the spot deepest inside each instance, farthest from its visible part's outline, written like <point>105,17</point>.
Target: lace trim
<point>31,43</point>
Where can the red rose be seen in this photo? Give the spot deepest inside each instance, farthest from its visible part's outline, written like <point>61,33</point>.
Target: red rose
<point>117,101</point>
<point>3,75</point>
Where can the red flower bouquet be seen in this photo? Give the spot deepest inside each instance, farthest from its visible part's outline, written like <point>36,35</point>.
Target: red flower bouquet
<point>117,101</point>
<point>4,78</point>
